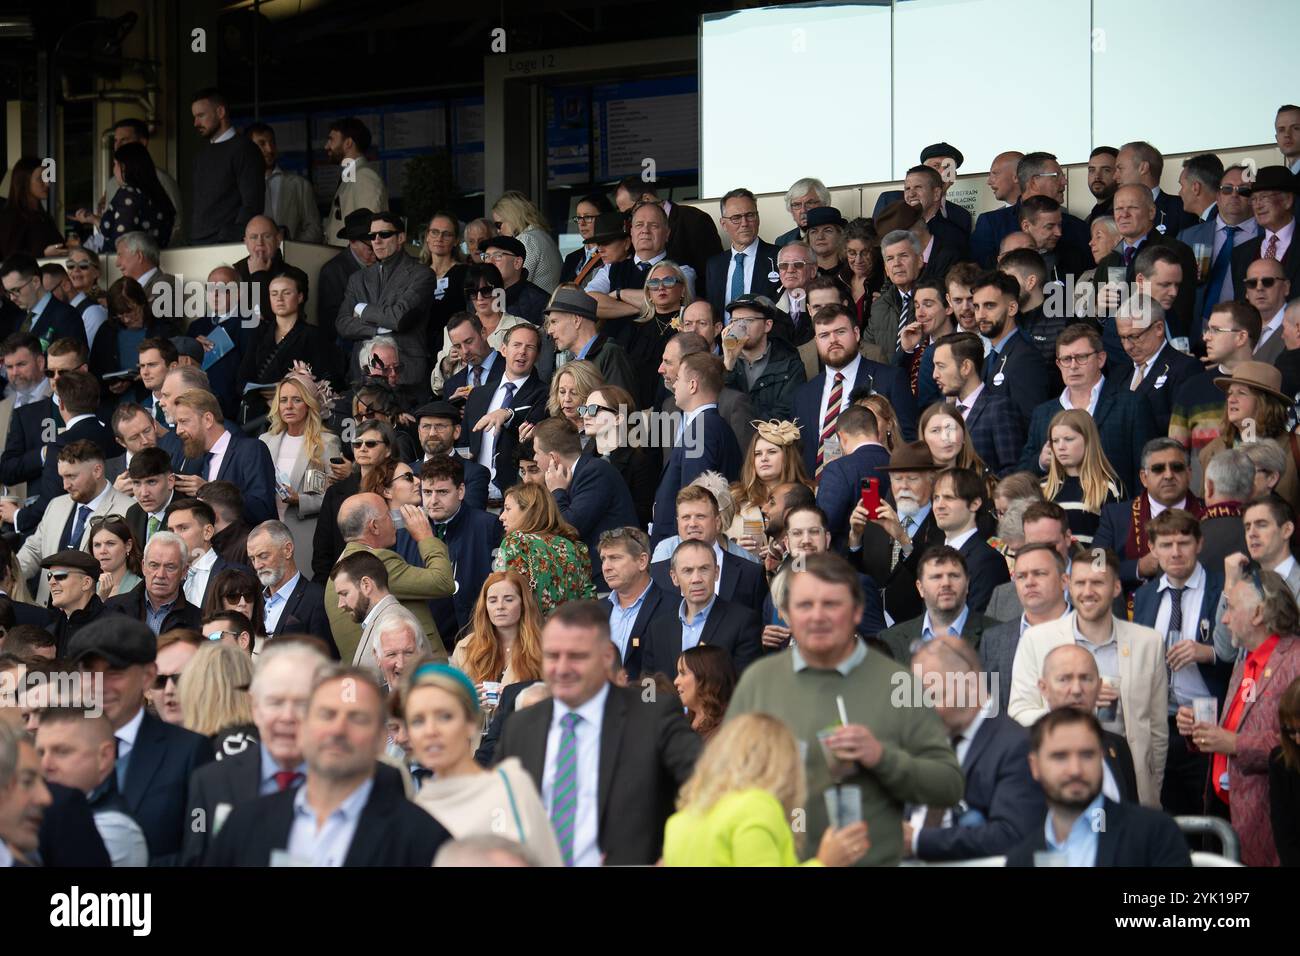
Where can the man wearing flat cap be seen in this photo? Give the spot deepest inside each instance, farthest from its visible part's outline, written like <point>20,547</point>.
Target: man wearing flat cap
<point>73,578</point>
<point>154,758</point>
<point>391,297</point>
<point>945,160</point>
<point>571,324</point>
<point>439,427</point>
<point>1273,201</point>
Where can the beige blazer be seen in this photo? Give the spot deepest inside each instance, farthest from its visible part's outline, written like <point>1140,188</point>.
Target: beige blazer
<point>6,415</point>
<point>44,541</point>
<point>1143,692</point>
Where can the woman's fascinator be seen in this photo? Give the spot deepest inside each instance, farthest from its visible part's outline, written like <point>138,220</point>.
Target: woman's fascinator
<point>301,375</point>
<point>777,432</point>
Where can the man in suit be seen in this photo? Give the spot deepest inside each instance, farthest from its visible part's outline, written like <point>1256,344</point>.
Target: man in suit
<point>692,235</point>
<point>138,258</point>
<point>1269,523</point>
<point>1126,424</point>
<point>1038,320</point>
<point>344,727</point>
<point>1229,224</point>
<point>618,286</point>
<point>942,580</point>
<point>279,693</point>
<point>888,545</point>
<point>1140,164</point>
<point>1129,655</point>
<point>47,319</point>
<point>864,457</point>
<point>390,297</point>
<point>67,521</point>
<point>1101,180</point>
<point>991,420</point>
<point>733,405</point>
<point>332,283</point>
<point>1268,289</point>
<point>819,402</point>
<point>749,264</point>
<point>1273,200</point>
<point>1155,370</point>
<point>944,160</point>
<point>607,763</point>
<point>739,580</point>
<point>211,452</point>
<point>499,411</point>
<point>158,600</point>
<point>1083,825</point>
<point>293,605</point>
<point>194,522</point>
<point>704,441</point>
<point>154,759</point>
<point>471,536</point>
<point>26,405</point>
<point>958,496</point>
<point>483,364</point>
<point>1164,475</point>
<point>223,322</point>
<point>1229,481</point>
<point>588,490</point>
<point>1230,339</point>
<point>702,617</point>
<point>154,488</point>
<point>439,428</point>
<point>1001,798</point>
<point>923,190</point>
<point>1181,605</point>
<point>1012,356</point>
<point>366,525</point>
<point>893,310</point>
<point>803,195</point>
<point>1036,174</point>
<point>1039,582</point>
<point>635,599</point>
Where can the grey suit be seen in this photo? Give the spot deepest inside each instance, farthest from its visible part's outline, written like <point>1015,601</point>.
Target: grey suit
<point>1203,234</point>
<point>1223,645</point>
<point>998,652</point>
<point>295,209</point>
<point>1005,604</point>
<point>396,295</point>
<point>1270,348</point>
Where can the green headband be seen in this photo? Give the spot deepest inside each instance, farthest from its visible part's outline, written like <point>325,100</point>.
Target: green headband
<point>446,670</point>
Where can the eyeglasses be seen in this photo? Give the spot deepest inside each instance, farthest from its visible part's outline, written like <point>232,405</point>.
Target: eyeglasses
<point>667,282</point>
<point>1134,336</point>
<point>368,443</point>
<point>62,575</point>
<point>801,205</point>
<point>1243,191</point>
<point>1069,361</point>
<point>1173,467</point>
<point>217,635</point>
<point>13,293</point>
<point>790,266</point>
<point>1215,330</point>
<point>73,266</point>
<point>408,476</point>
<point>441,234</point>
<point>1261,282</point>
<point>384,234</point>
<point>482,292</point>
<point>161,680</point>
<point>581,219</point>
<point>741,218</point>
<point>495,257</point>
<point>591,411</point>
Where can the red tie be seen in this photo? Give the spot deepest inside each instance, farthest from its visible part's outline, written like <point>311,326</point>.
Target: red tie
<point>830,420</point>
<point>1271,251</point>
<point>284,779</point>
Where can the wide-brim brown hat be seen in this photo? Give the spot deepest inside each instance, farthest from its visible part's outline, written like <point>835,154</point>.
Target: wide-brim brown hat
<point>914,456</point>
<point>1257,375</point>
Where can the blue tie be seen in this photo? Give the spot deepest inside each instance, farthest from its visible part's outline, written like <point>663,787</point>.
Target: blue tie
<point>737,277</point>
<point>78,526</point>
<point>207,463</point>
<point>510,395</point>
<point>1129,255</point>
<point>1219,271</point>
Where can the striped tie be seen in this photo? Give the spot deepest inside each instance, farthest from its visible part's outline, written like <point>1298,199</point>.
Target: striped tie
<point>904,319</point>
<point>564,792</point>
<point>830,420</point>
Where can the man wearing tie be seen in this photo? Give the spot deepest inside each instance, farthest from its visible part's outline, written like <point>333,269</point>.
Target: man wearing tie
<point>749,264</point>
<point>157,358</point>
<point>991,420</point>
<point>893,311</point>
<point>154,487</point>
<point>483,363</point>
<point>1267,289</point>
<point>498,413</point>
<point>213,453</point>
<point>618,287</point>
<point>1231,224</point>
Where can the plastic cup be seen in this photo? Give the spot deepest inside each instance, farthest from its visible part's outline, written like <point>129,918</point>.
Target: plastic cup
<point>1205,710</point>
<point>491,692</point>
<point>837,767</point>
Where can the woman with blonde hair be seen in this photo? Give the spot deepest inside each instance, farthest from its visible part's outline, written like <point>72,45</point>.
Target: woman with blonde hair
<point>773,459</point>
<point>571,386</point>
<point>736,808</point>
<point>886,419</point>
<point>440,708</point>
<point>301,449</point>
<point>543,548</point>
<point>667,294</point>
<point>1079,478</point>
<point>502,644</point>
<point>214,697</point>
<point>514,214</point>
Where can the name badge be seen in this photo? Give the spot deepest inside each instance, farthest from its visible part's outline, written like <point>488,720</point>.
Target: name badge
<point>1160,382</point>
<point>636,642</point>
<point>1123,651</point>
<point>1162,228</point>
<point>999,379</point>
<point>773,277</point>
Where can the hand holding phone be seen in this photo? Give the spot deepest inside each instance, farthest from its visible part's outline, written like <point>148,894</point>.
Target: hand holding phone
<point>871,496</point>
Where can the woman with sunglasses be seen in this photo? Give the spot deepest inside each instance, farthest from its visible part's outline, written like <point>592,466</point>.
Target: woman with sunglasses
<point>117,343</point>
<point>543,548</point>
<point>486,297</point>
<point>88,298</point>
<point>114,546</point>
<point>441,253</point>
<point>607,416</point>
<point>397,484</point>
<point>514,214</point>
<point>374,444</point>
<point>282,343</point>
<point>667,294</point>
<point>571,386</point>
<point>236,590</point>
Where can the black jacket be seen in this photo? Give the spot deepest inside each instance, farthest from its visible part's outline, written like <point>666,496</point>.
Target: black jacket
<point>1128,835</point>
<point>304,613</point>
<point>233,781</point>
<point>735,628</point>
<point>132,603</point>
<point>68,837</point>
<point>326,543</point>
<point>64,626</point>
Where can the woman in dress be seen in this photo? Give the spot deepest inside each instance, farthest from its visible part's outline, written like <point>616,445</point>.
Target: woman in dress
<point>543,548</point>
<point>114,546</point>
<point>214,697</point>
<point>301,450</point>
<point>1079,478</point>
<point>607,419</point>
<point>705,681</point>
<point>283,343</point>
<point>139,205</point>
<point>441,711</point>
<point>502,644</point>
<point>773,459</point>
<point>514,214</point>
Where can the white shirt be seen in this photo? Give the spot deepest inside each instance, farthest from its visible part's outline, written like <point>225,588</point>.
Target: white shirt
<point>750,252</point>
<point>967,403</point>
<point>1092,399</point>
<point>92,318</point>
<point>586,848</point>
<point>196,578</point>
<point>228,134</point>
<point>962,538</point>
<point>488,450</point>
<point>1145,370</point>
<point>1186,683</point>
<point>1157,507</point>
<point>850,373</point>
<point>6,858</point>
<point>1286,567</point>
<point>218,452</point>
<point>963,747</point>
<point>1271,327</point>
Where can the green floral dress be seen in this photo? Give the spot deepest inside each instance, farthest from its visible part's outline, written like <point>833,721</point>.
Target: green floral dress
<point>558,569</point>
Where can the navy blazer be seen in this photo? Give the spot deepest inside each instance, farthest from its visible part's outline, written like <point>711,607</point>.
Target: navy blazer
<point>156,793</point>
<point>996,431</point>
<point>840,487</point>
<point>985,569</point>
<point>21,460</point>
<point>1146,605</point>
<point>995,225</point>
<point>1171,217</point>
<point>472,536</point>
<point>247,463</point>
<point>1002,799</point>
<point>760,283</point>
<point>1019,373</point>
<point>530,403</point>
<point>888,381</point>
<point>51,485</point>
<point>733,627</point>
<point>597,500</point>
<point>957,215</point>
<point>870,624</point>
<point>68,837</point>
<point>1133,835</point>
<point>658,603</point>
<point>1124,420</point>
<point>740,581</point>
<point>58,320</point>
<point>477,479</point>
<point>304,613</point>
<point>223,375</point>
<point>1158,388</point>
<point>715,449</point>
<point>461,379</point>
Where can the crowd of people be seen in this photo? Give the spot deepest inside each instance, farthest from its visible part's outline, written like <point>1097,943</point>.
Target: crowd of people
<point>920,536</point>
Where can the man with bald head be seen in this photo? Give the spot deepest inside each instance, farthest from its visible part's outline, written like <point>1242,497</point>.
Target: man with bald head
<point>1140,164</point>
<point>262,240</point>
<point>1013,241</point>
<point>1036,174</point>
<point>223,330</point>
<point>1070,679</point>
<point>1267,288</point>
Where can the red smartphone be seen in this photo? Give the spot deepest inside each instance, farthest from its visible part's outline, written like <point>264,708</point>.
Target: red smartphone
<point>871,496</point>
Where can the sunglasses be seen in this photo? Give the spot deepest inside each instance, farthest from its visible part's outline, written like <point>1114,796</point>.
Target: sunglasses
<point>790,266</point>
<point>1173,467</point>
<point>409,476</point>
<point>217,635</point>
<point>384,234</point>
<point>482,292</point>
<point>375,363</point>
<point>71,266</point>
<point>61,575</point>
<point>1243,191</point>
<point>1262,282</point>
<point>100,520</point>
<point>591,411</point>
<point>368,443</point>
<point>161,680</point>
<point>667,282</point>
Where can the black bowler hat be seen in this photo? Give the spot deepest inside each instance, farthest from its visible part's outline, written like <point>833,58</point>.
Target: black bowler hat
<point>825,216</point>
<point>356,225</point>
<point>1275,179</point>
<point>939,150</point>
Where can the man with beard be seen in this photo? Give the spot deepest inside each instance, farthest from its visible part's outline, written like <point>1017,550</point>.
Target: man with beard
<point>942,581</point>
<point>360,187</point>
<point>1012,355</point>
<point>229,181</point>
<point>438,428</point>
<point>293,605</point>
<point>1083,825</point>
<point>361,584</point>
<point>1101,181</point>
<point>211,452</point>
